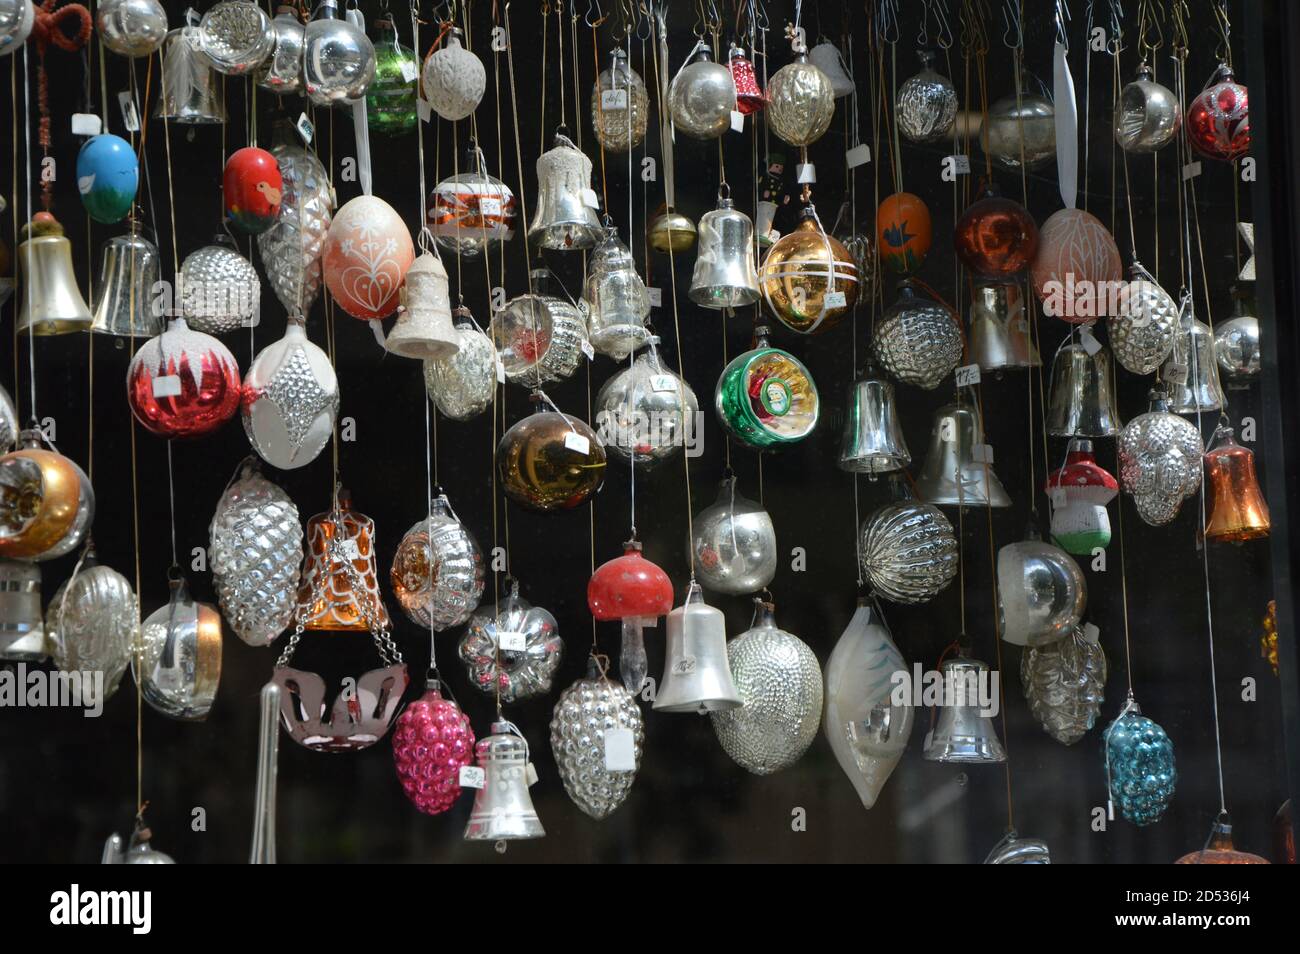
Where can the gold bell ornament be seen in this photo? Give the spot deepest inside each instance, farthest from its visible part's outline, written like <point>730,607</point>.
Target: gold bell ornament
<point>51,302</point>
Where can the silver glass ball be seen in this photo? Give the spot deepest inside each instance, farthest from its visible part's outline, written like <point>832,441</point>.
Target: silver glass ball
<point>926,105</point>
<point>1020,133</point>
<point>1147,116</point>
<point>454,79</point>
<point>338,62</point>
<point>800,103</point>
<point>645,413</point>
<point>281,72</point>
<point>220,290</point>
<point>1236,346</point>
<point>908,552</point>
<point>16,19</point>
<point>701,98</point>
<point>462,385</point>
<point>235,36</point>
<point>131,27</point>
<point>734,544</point>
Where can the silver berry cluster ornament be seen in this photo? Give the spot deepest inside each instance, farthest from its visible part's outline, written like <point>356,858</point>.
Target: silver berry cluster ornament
<point>291,248</point>
<point>583,740</point>
<point>926,106</point>
<point>256,539</point>
<point>1065,683</point>
<point>1160,461</point>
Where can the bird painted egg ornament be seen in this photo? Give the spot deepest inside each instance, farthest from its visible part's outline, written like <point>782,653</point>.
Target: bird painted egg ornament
<point>1065,683</point>
<point>183,383</point>
<point>637,592</point>
<point>16,20</point>
<point>550,461</point>
<point>514,651</point>
<point>1079,492</point>
<point>367,252</point>
<point>219,289</point>
<point>1219,849</point>
<point>290,400</point>
<point>453,78</point>
<point>92,624</point>
<point>437,573</point>
<point>1077,258</point>
<point>584,727</point>
<point>108,175</point>
<point>903,232</point>
<point>252,189</point>
<point>800,102</point>
<point>996,237</point>
<point>1218,120</point>
<point>766,398</point>
<point>432,741</point>
<point>808,279</point>
<point>390,98</point>
<point>49,504</point>
<point>1160,461</point>
<point>1140,767</point>
<point>908,552</point>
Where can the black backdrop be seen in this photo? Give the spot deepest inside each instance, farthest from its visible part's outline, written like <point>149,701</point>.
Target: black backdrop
<point>67,781</point>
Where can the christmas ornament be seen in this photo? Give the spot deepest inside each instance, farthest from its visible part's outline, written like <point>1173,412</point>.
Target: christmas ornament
<point>16,19</point>
<point>511,652</point>
<point>1219,849</point>
<point>995,237</point>
<point>472,212</point>
<point>858,245</point>
<point>619,105</point>
<point>340,583</point>
<point>750,98</point>
<point>123,299</point>
<point>1000,338</point>
<point>1081,402</point>
<point>191,90</point>
<point>1041,592</point>
<point>281,72</point>
<point>463,385</point>
<point>637,592</point>
<point>702,96</point>
<point>872,442</point>
<point>424,326</point>
<point>453,78</point>
<point>1238,511</point>
<point>437,573</point>
<point>262,851</point>
<point>800,102</point>
<point>1192,370</point>
<point>1065,683</point>
<point>22,628</point>
<point>1020,130</point>
<point>724,274</point>
<point>46,502</point>
<point>365,257</point>
<point>290,400</point>
<point>1079,492</point>
<point>1140,772</point>
<point>866,731</point>
<point>1159,461</point>
<point>780,685</point>
<point>1147,115</point>
<point>235,36</point>
<point>252,188</point>
<point>219,288</point>
<point>178,666</point>
<point>1014,850</point>
<point>964,734</point>
<point>502,809</point>
<point>908,552</point>
<point>183,383</point>
<point>903,232</point>
<point>256,545</point>
<point>1236,345</point>
<point>550,461</point>
<point>958,470</point>
<point>390,98</point>
<point>826,57</point>
<point>51,302</point>
<point>697,677</point>
<point>432,741</point>
<point>139,851</point>
<point>646,414</point>
<point>107,177</point>
<point>616,298</point>
<point>1143,328</point>
<point>539,336</point>
<point>1077,260</point>
<point>338,59</point>
<point>808,279</point>
<point>917,340</point>
<point>291,248</point>
<point>92,623</point>
<point>670,231</point>
<point>733,543</point>
<point>926,105</point>
<point>8,422</point>
<point>566,204</point>
<point>1218,120</point>
<point>587,716</point>
<point>765,398</point>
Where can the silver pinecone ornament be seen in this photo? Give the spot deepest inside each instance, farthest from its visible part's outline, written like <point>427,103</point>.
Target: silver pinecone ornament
<point>1065,683</point>
<point>585,716</point>
<point>291,248</point>
<point>256,539</point>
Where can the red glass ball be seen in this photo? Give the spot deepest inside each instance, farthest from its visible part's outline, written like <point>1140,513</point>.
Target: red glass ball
<point>252,187</point>
<point>629,585</point>
<point>996,237</point>
<point>183,383</point>
<point>1218,121</point>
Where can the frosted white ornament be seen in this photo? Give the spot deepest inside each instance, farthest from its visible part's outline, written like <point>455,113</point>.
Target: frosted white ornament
<point>291,400</point>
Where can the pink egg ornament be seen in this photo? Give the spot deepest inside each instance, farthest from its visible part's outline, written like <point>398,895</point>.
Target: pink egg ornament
<point>367,252</point>
<point>1077,269</point>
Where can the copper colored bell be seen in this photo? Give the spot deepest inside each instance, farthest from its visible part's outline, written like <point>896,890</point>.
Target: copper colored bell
<point>52,302</point>
<point>1239,511</point>
<point>336,595</point>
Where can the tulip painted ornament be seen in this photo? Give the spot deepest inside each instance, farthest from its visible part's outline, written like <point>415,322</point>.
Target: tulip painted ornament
<point>903,232</point>
<point>183,383</point>
<point>636,592</point>
<point>108,175</point>
<point>367,252</point>
<point>432,741</point>
<point>252,188</point>
<point>1077,258</point>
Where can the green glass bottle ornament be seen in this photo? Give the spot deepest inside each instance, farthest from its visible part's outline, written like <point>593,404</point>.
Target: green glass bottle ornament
<point>390,98</point>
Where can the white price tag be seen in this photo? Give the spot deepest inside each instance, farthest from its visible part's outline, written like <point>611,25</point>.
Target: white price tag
<point>773,236</point>
<point>423,109</point>
<point>471,776</point>
<point>620,750</point>
<point>589,199</point>
<point>1091,633</point>
<point>85,124</point>
<point>305,129</point>
<point>806,172</point>
<point>982,453</point>
<point>130,118</point>
<point>612,99</point>
<point>489,206</point>
<point>512,642</point>
<point>588,350</point>
<point>530,774</point>
<point>167,385</point>
<point>859,155</point>
<point>1089,342</point>
<point>577,442</point>
<point>501,372</point>
<point>968,375</point>
<point>409,72</point>
<point>737,121</point>
<point>663,382</point>
<point>960,164</point>
<point>835,299</point>
<point>656,297</point>
<point>1191,170</point>
<point>348,550</point>
<point>1175,373</point>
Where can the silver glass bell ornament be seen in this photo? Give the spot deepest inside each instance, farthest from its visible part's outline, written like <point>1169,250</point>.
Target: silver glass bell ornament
<point>290,400</point>
<point>218,288</point>
<point>697,675</point>
<point>872,442</point>
<point>1020,130</point>
<point>191,92</point>
<point>596,739</point>
<point>958,470</point>
<point>51,301</point>
<point>1145,323</point>
<point>92,623</point>
<point>620,105</point>
<point>702,96</point>
<point>965,732</point>
<point>281,72</point>
<point>453,78</point>
<point>1192,371</point>
<point>437,572</point>
<point>291,248</point>
<point>338,59</point>
<point>917,340</point>
<point>472,212</point>
<point>424,328</point>
<point>725,275</point>
<point>179,665</point>
<point>646,414</point>
<point>462,386</point>
<point>22,627</point>
<point>617,300</point>
<point>1000,338</point>
<point>503,810</point>
<point>1147,115</point>
<point>733,543</point>
<point>539,336</point>
<point>131,28</point>
<point>123,296</point>
<point>16,20</point>
<point>566,216</point>
<point>780,685</point>
<point>1160,461</point>
<point>1014,850</point>
<point>235,36</point>
<point>1236,345</point>
<point>1065,683</point>
<point>908,552</point>
<point>800,102</point>
<point>1080,401</point>
<point>926,104</point>
<point>1041,592</point>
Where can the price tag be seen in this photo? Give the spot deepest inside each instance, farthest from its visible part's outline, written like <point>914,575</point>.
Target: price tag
<point>501,371</point>
<point>577,442</point>
<point>1089,342</point>
<point>960,164</point>
<point>305,129</point>
<point>835,299</point>
<point>737,121</point>
<point>982,453</point>
<point>1057,496</point>
<point>489,206</point>
<point>349,550</point>
<point>130,118</point>
<point>1175,372</point>
<point>968,375</point>
<point>620,750</point>
<point>773,236</point>
<point>859,155</point>
<point>167,385</point>
<point>588,350</point>
<point>1091,633</point>
<point>512,642</point>
<point>656,297</point>
<point>530,775</point>
<point>663,382</point>
<point>589,199</point>
<point>471,776</point>
<point>613,99</point>
<point>423,109</point>
<point>409,71</point>
<point>1191,170</point>
<point>85,124</point>
<point>806,172</point>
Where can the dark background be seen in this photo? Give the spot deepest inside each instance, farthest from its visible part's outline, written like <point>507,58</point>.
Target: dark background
<point>67,781</point>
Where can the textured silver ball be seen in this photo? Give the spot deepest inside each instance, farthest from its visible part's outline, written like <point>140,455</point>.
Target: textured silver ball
<point>800,103</point>
<point>917,341</point>
<point>1160,463</point>
<point>1142,333</point>
<point>908,552</point>
<point>220,290</point>
<point>584,713</point>
<point>926,106</point>
<point>454,79</point>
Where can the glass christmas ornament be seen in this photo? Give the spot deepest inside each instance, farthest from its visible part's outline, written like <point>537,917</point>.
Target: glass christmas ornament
<point>123,296</point>
<point>873,442</point>
<point>1192,371</point>
<point>1236,345</point>
<point>424,326</point>
<point>1041,592</point>
<point>365,257</point>
<point>1140,770</point>
<point>765,398</point>
<point>1238,511</point>
<point>1000,338</point>
<point>697,676</point>
<point>866,731</point>
<point>1079,492</point>
<point>191,91</point>
<point>437,573</point>
<point>858,245</point>
<point>702,96</point>
<point>965,733</point>
<point>51,301</point>
<point>917,340</point>
<point>46,502</point>
<point>1143,329</point>
<point>1014,850</point>
<point>539,336</point>
<point>750,97</point>
<point>800,102</point>
<point>92,623</point>
<point>357,717</point>
<point>1219,849</point>
<point>235,36</point>
<point>453,78</point>
<point>566,205</point>
<point>513,651</point>
<point>908,552</point>
<point>1077,259</point>
<point>1081,402</point>
<point>340,583</point>
<point>390,98</point>
<point>281,72</point>
<point>903,232</point>
<point>1065,683</point>
<point>733,543</point>
<point>958,470</point>
<point>291,248</point>
<point>16,19</point>
<point>619,105</point>
<point>183,383</point>
<point>290,400</point>
<point>670,231</point>
<point>585,718</point>
<point>432,741</point>
<point>646,414</point>
<point>550,461</point>
<point>780,685</point>
<point>502,809</point>
<point>926,105</point>
<point>725,275</point>
<point>1020,130</point>
<point>178,667</point>
<point>1147,115</point>
<point>472,212</point>
<point>338,59</point>
<point>252,189</point>
<point>636,592</point>
<point>8,422</point>
<point>808,279</point>
<point>1160,461</point>
<point>219,289</point>
<point>826,57</point>
<point>138,852</point>
<point>463,385</point>
<point>1218,120</point>
<point>995,237</point>
<point>616,298</point>
<point>108,175</point>
<point>22,630</point>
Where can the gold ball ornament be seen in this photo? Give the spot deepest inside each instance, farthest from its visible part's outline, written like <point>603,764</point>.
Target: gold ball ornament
<point>46,503</point>
<point>550,461</point>
<point>809,279</point>
<point>800,102</point>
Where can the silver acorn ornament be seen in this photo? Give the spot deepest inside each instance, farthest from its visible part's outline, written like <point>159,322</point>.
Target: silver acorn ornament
<point>290,400</point>
<point>92,623</point>
<point>1142,330</point>
<point>908,552</point>
<point>462,386</point>
<point>596,738</point>
<point>646,414</point>
<point>1160,461</point>
<point>291,248</point>
<point>219,289</point>
<point>256,539</point>
<point>926,105</point>
<point>1065,683</point>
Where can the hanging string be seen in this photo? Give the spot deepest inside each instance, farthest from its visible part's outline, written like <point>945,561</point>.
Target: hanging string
<point>27,130</point>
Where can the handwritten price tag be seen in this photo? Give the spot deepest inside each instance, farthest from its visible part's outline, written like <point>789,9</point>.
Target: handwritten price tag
<point>968,375</point>
<point>577,442</point>
<point>471,776</point>
<point>168,385</point>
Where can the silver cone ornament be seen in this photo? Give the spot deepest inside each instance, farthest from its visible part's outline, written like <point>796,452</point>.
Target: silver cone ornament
<point>596,729</point>
<point>291,248</point>
<point>1160,461</point>
<point>1065,683</point>
<point>1142,332</point>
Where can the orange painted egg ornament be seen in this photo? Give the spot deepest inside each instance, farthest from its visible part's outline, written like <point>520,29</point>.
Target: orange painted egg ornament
<point>252,187</point>
<point>367,252</point>
<point>903,232</point>
<point>1077,259</point>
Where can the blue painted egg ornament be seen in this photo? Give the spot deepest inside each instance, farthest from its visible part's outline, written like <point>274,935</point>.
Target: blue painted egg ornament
<point>108,175</point>
<point>1140,764</point>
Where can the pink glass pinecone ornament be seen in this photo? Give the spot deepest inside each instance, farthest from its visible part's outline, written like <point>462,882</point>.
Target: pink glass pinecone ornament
<point>431,742</point>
